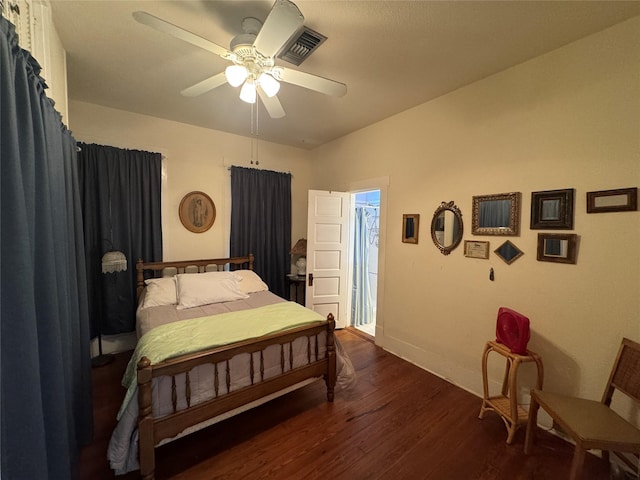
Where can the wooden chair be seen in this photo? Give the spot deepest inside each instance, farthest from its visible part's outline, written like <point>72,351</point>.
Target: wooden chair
<point>589,423</point>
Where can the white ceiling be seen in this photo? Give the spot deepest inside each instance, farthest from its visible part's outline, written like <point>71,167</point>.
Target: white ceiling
<point>392,55</point>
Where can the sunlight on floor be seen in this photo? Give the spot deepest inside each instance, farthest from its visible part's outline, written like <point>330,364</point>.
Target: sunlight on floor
<point>369,329</point>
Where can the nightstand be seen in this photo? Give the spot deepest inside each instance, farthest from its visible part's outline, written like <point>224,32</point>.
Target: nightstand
<point>297,288</point>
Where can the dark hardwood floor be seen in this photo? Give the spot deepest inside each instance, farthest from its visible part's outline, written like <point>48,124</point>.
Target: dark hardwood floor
<point>398,422</point>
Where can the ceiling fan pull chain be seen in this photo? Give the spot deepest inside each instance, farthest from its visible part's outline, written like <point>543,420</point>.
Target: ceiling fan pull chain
<point>252,130</point>
<point>257,130</point>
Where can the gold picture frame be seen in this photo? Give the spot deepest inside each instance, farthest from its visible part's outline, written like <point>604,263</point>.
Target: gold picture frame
<point>496,214</point>
<point>476,249</point>
<point>410,227</point>
<point>197,212</point>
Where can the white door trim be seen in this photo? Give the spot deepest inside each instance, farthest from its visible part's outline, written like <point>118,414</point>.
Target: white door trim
<point>382,184</point>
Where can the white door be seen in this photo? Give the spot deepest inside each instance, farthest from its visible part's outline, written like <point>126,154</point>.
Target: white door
<point>327,285</point>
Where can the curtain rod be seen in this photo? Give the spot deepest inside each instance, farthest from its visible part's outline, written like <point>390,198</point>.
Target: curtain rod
<point>78,149</point>
<point>240,166</point>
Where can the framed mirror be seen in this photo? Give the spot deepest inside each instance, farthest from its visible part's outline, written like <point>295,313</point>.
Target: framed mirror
<point>410,225</point>
<point>558,248</point>
<point>619,200</point>
<point>508,252</point>
<point>446,227</point>
<point>496,214</point>
<point>552,209</point>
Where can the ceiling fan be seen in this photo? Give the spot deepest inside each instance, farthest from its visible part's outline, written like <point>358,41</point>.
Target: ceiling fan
<point>252,54</point>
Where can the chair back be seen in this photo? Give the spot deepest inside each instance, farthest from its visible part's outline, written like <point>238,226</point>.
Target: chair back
<point>625,375</point>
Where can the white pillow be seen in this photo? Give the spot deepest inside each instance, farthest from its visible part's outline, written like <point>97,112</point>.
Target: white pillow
<point>251,281</point>
<point>195,289</point>
<point>160,291</point>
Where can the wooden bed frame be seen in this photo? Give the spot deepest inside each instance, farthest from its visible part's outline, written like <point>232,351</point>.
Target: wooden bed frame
<point>152,430</point>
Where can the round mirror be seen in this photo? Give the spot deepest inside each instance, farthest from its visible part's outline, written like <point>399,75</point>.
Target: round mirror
<point>446,227</point>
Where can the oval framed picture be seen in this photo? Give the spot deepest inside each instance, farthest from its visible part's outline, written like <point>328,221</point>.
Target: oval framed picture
<point>197,212</point>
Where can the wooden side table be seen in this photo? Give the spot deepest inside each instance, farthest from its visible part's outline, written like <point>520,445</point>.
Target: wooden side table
<point>506,404</point>
<point>297,288</point>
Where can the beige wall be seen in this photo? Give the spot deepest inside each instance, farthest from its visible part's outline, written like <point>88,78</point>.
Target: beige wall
<point>569,119</point>
<point>195,159</point>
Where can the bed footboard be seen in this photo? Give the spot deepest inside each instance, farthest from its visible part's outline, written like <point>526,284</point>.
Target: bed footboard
<point>153,429</point>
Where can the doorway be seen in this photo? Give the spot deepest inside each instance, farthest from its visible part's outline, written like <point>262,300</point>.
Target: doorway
<point>366,230</point>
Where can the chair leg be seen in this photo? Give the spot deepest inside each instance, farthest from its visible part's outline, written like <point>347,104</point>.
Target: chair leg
<point>577,463</point>
<point>531,424</point>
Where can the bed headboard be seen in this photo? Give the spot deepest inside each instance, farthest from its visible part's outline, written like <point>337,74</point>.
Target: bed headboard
<point>167,269</point>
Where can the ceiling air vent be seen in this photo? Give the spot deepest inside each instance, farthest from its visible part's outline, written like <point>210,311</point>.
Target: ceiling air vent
<point>301,46</point>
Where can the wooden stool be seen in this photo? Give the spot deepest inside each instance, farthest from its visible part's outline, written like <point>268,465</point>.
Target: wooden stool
<point>506,404</point>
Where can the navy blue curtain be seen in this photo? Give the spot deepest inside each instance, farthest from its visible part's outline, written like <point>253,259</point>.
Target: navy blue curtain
<point>121,206</point>
<point>261,223</point>
<point>45,360</point>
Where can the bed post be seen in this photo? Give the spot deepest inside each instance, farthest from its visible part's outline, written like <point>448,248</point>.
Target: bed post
<point>251,257</point>
<point>146,447</point>
<point>330,377</point>
<point>140,278</point>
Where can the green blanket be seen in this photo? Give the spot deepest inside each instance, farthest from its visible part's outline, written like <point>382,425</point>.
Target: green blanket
<point>193,335</point>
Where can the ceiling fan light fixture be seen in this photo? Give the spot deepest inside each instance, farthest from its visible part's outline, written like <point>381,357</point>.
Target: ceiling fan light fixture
<point>236,74</point>
<point>248,91</point>
<point>269,85</point>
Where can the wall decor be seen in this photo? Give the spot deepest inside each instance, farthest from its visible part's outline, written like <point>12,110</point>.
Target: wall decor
<point>552,209</point>
<point>557,247</point>
<point>447,227</point>
<point>475,249</point>
<point>508,252</point>
<point>410,226</point>
<point>197,212</point>
<point>619,200</point>
<point>496,214</point>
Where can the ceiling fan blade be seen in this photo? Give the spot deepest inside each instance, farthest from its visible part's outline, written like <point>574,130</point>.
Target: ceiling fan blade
<point>312,82</point>
<point>272,104</point>
<point>205,85</point>
<point>283,21</point>
<point>182,34</point>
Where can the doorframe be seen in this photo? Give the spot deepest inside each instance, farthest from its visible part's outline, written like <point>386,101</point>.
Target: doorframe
<point>382,184</point>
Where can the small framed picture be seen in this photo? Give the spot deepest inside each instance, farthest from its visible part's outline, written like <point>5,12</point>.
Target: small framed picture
<point>197,212</point>
<point>475,249</point>
<point>552,209</point>
<point>410,227</point>
<point>620,200</point>
<point>557,248</point>
<point>508,252</point>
